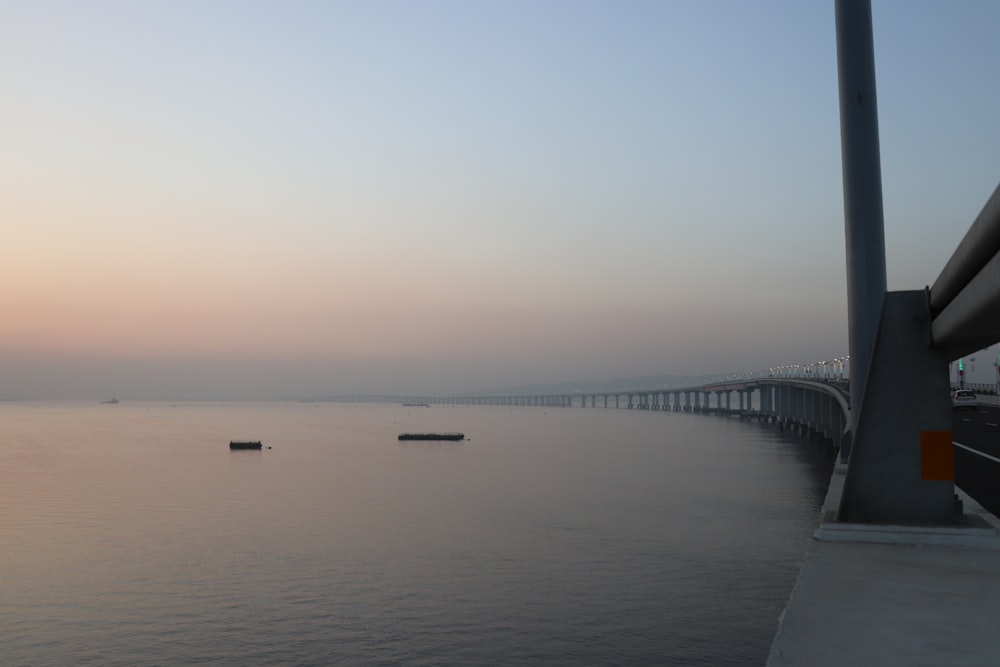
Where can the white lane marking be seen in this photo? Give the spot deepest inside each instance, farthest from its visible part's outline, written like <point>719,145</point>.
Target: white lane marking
<point>975,451</point>
<point>966,419</point>
<point>989,424</point>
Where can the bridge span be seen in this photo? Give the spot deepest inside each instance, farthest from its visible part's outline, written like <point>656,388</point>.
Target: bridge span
<point>819,408</point>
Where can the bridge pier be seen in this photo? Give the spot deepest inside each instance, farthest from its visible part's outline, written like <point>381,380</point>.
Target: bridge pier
<point>901,466</point>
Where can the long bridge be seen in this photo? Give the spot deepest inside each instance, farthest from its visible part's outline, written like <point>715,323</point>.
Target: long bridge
<point>819,408</point>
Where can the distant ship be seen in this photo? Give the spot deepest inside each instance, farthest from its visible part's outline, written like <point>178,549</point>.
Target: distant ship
<point>416,405</point>
<point>113,401</point>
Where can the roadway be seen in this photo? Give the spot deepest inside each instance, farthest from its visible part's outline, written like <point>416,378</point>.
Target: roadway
<point>976,434</point>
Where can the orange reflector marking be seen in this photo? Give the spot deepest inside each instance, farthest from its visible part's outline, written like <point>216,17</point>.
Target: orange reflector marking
<point>937,458</point>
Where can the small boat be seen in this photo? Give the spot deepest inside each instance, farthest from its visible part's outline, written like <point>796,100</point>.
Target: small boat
<point>432,436</point>
<point>245,444</point>
<point>113,401</point>
<point>416,405</point>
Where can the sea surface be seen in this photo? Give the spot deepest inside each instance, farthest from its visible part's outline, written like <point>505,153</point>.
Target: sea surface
<point>131,535</point>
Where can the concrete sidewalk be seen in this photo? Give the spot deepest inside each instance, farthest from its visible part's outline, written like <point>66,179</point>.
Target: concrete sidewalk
<point>895,595</point>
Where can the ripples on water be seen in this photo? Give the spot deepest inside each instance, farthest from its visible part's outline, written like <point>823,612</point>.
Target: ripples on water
<point>132,535</point>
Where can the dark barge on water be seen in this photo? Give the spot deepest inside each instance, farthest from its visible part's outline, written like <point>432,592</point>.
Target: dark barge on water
<point>432,436</point>
<point>245,444</point>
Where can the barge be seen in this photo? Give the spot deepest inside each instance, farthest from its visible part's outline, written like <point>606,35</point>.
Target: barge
<point>432,436</point>
<point>245,444</point>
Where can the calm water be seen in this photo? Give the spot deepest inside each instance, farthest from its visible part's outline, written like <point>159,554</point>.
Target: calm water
<point>130,534</point>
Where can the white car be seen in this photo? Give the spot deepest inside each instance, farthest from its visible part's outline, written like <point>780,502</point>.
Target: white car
<point>963,398</point>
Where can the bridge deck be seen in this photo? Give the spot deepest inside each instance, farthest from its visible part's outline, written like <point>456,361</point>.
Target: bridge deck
<point>920,597</point>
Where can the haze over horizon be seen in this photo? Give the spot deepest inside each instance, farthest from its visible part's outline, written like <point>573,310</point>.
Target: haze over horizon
<point>250,200</point>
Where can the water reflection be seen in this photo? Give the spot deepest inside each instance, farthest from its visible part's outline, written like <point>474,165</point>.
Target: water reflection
<point>552,536</point>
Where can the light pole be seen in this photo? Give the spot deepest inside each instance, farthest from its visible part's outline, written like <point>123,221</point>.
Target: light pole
<point>997,364</point>
<point>863,218</point>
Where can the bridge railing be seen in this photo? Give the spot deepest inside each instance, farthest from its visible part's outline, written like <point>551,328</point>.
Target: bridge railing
<point>965,299</point>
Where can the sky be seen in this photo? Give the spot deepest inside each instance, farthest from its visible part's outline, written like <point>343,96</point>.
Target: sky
<point>254,199</point>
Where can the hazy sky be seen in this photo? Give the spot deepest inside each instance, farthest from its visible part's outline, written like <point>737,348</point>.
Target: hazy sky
<point>253,199</point>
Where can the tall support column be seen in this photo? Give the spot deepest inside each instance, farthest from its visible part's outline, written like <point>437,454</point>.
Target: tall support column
<point>863,222</point>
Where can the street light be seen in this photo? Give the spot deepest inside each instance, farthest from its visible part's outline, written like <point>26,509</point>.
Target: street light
<point>997,364</point>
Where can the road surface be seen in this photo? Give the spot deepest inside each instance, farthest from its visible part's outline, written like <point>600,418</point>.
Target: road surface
<point>977,454</point>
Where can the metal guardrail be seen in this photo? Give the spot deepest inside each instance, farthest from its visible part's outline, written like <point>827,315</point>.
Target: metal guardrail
<point>965,299</point>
